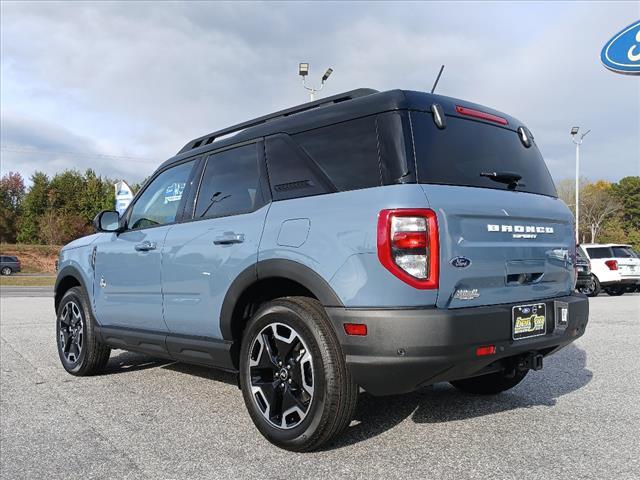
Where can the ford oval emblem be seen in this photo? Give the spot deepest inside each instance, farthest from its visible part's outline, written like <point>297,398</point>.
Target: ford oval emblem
<point>621,54</point>
<point>460,262</point>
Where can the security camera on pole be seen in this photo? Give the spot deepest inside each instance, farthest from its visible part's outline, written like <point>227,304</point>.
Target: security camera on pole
<point>303,71</point>
<point>578,141</point>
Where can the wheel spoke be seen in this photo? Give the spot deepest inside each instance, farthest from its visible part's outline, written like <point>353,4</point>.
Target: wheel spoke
<point>285,348</point>
<point>290,400</point>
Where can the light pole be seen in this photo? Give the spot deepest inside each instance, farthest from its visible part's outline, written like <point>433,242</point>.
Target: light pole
<point>578,141</point>
<point>303,71</point>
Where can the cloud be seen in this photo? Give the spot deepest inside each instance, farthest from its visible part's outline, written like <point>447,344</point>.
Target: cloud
<point>135,80</point>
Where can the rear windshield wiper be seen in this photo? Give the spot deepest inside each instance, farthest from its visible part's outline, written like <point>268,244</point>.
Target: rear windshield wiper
<point>511,179</point>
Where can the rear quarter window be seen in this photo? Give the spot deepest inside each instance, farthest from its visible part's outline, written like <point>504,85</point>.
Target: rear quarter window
<point>600,252</point>
<point>457,154</point>
<point>622,252</point>
<point>346,152</point>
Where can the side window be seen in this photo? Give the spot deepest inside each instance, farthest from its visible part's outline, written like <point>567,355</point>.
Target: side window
<point>230,183</point>
<point>347,152</point>
<point>600,252</point>
<point>159,202</point>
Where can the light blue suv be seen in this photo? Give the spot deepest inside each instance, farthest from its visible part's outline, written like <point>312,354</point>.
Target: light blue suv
<point>382,241</point>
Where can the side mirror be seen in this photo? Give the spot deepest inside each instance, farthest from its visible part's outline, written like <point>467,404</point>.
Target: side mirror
<point>107,221</point>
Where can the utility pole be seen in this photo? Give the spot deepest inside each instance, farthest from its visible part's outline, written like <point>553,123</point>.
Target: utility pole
<point>578,141</point>
<point>303,71</point>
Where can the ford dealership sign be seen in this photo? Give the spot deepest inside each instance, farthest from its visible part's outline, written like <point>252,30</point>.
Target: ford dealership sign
<point>621,54</point>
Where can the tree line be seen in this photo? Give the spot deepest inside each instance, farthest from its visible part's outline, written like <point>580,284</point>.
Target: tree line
<point>54,211</point>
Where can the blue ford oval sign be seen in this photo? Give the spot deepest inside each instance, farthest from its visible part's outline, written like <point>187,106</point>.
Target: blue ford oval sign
<point>460,262</point>
<point>621,54</point>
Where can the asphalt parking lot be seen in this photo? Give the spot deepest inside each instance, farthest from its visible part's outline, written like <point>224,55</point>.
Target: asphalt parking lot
<point>147,418</point>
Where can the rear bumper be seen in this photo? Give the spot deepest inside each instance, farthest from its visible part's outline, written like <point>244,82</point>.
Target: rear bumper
<point>405,349</point>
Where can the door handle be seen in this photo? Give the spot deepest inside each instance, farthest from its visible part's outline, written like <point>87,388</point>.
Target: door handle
<point>229,238</point>
<point>145,246</point>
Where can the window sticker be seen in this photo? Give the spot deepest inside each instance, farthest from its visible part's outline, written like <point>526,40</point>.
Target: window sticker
<point>173,193</point>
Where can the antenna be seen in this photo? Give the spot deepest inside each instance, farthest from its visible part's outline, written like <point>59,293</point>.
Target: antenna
<point>437,79</point>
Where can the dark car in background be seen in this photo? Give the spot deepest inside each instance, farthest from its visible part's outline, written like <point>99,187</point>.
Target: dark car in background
<point>9,265</point>
<point>584,281</point>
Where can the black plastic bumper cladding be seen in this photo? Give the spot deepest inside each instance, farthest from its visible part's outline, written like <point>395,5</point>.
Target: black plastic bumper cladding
<point>405,349</point>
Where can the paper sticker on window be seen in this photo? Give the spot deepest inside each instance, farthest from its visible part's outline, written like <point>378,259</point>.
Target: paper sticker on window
<point>173,193</point>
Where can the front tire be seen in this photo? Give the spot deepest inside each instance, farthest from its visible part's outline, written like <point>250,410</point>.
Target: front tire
<point>293,375</point>
<point>80,352</point>
<point>6,271</point>
<point>491,384</point>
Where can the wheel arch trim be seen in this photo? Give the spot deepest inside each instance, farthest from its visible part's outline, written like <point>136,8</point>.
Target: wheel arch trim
<point>274,268</point>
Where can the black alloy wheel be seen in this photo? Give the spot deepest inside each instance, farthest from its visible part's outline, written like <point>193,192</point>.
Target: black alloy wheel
<point>71,332</point>
<point>281,375</point>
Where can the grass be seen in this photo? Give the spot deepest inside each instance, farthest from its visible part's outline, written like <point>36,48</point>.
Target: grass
<point>24,281</point>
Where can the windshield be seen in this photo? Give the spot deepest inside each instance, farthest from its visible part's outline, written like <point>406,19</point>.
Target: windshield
<point>461,152</point>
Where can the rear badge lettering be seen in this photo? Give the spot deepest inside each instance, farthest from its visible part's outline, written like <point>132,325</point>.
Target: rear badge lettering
<point>465,294</point>
<point>460,262</point>
<point>520,231</point>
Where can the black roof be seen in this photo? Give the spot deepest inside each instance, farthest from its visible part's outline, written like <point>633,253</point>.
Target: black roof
<point>335,109</point>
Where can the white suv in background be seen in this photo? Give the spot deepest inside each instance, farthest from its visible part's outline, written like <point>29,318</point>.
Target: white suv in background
<point>615,268</point>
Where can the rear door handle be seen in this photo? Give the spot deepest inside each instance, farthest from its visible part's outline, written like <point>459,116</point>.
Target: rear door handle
<point>229,238</point>
<point>145,246</point>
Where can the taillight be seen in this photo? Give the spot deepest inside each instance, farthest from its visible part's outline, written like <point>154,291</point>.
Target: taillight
<point>408,245</point>
<point>612,264</point>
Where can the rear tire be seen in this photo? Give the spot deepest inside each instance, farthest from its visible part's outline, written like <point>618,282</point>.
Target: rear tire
<point>80,352</point>
<point>6,271</point>
<point>293,375</point>
<point>491,384</point>
<point>593,289</point>
<point>615,291</point>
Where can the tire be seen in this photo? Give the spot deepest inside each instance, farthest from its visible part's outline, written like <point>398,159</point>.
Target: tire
<point>6,271</point>
<point>293,375</point>
<point>80,352</point>
<point>593,289</point>
<point>491,384</point>
<point>615,291</point>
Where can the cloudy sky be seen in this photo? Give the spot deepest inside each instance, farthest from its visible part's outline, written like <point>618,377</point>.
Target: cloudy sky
<point>119,87</point>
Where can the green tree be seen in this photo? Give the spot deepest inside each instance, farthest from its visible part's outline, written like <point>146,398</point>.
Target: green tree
<point>627,192</point>
<point>12,194</point>
<point>35,203</point>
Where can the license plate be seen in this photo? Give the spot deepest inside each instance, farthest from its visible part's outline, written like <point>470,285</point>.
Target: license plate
<point>529,321</point>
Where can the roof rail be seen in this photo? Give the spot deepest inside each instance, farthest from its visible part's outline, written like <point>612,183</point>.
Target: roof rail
<point>341,97</point>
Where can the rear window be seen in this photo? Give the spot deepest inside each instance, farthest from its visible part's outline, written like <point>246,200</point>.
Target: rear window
<point>622,252</point>
<point>458,154</point>
<point>600,252</point>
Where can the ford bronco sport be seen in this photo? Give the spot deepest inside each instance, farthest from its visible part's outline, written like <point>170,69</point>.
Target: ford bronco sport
<point>383,241</point>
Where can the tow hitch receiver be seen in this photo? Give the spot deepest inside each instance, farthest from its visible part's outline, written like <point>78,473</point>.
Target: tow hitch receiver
<point>530,361</point>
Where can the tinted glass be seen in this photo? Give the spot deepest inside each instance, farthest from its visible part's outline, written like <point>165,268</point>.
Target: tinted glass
<point>159,202</point>
<point>458,154</point>
<point>622,252</point>
<point>230,184</point>
<point>600,252</point>
<point>292,173</point>
<point>346,152</point>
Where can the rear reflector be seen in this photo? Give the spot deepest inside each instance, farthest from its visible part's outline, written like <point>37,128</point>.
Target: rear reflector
<point>359,329</point>
<point>485,350</point>
<point>470,112</point>
<point>612,264</point>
